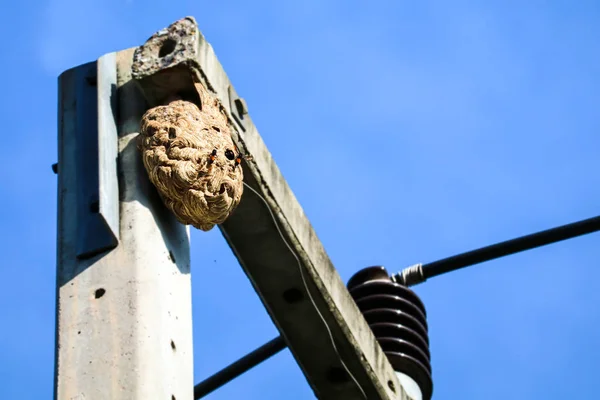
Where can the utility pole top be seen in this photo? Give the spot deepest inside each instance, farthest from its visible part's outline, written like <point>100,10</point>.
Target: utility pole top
<point>142,262</point>
<point>170,63</point>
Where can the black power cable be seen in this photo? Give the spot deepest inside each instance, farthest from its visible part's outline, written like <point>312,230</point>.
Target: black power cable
<point>420,273</point>
<point>412,276</point>
<point>239,367</point>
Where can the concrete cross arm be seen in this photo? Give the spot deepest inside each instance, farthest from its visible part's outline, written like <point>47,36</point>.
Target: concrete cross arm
<point>168,63</point>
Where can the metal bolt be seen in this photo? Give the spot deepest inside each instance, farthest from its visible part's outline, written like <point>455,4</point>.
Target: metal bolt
<point>240,105</point>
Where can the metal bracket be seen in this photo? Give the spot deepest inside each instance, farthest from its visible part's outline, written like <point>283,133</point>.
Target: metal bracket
<point>238,108</point>
<point>97,152</point>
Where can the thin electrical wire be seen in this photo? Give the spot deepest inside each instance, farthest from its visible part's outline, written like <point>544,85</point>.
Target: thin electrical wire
<point>307,290</point>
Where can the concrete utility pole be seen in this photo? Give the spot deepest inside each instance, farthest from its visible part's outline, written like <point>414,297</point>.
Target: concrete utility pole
<point>124,318</point>
<point>124,326</point>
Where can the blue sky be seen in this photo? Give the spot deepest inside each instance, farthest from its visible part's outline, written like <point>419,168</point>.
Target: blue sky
<point>423,129</point>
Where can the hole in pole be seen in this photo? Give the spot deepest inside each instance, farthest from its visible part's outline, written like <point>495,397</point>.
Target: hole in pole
<point>391,386</point>
<point>167,47</point>
<point>99,293</point>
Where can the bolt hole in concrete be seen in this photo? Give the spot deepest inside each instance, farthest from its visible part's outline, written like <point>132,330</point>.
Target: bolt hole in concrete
<point>99,293</point>
<point>293,295</point>
<point>391,386</point>
<point>173,397</point>
<point>167,47</point>
<point>173,345</point>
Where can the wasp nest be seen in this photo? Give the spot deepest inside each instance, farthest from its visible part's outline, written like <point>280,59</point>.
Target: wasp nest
<point>191,159</point>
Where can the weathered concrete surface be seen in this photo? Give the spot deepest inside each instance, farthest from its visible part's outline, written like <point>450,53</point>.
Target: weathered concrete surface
<point>124,326</point>
<point>255,240</point>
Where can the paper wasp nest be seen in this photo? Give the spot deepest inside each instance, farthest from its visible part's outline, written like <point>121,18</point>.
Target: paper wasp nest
<point>191,159</point>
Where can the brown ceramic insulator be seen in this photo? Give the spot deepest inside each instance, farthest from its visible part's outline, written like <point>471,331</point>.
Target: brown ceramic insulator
<point>398,319</point>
